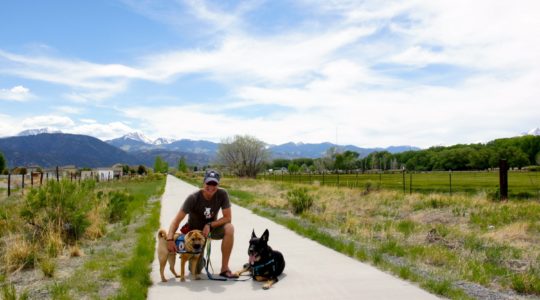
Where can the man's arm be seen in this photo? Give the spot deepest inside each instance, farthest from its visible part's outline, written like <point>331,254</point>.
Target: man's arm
<point>171,245</point>
<point>227,218</point>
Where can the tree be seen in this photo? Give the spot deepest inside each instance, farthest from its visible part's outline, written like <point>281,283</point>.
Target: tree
<point>141,170</point>
<point>2,162</point>
<point>125,169</point>
<point>243,155</point>
<point>346,160</point>
<point>160,166</point>
<point>293,168</point>
<point>182,166</point>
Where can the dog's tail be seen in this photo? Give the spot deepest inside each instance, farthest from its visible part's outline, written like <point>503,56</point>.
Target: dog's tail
<point>162,234</point>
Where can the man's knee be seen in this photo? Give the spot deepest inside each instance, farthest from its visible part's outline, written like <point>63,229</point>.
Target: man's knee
<point>229,229</point>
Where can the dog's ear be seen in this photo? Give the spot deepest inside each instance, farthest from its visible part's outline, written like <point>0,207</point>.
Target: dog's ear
<point>265,235</point>
<point>253,234</point>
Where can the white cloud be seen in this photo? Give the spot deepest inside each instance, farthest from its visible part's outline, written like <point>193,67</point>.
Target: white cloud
<point>16,93</point>
<point>105,131</point>
<point>50,121</point>
<point>69,109</point>
<point>9,125</point>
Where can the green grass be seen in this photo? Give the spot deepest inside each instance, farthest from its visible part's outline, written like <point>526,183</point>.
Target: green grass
<point>521,184</point>
<point>136,273</point>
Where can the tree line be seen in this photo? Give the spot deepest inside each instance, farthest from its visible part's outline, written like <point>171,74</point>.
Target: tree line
<point>518,151</point>
<point>245,156</point>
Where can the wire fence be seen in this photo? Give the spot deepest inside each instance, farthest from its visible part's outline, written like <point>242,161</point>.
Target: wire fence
<point>521,184</point>
<point>18,182</point>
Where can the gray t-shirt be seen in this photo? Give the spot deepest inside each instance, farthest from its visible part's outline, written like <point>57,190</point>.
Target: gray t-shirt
<point>202,211</point>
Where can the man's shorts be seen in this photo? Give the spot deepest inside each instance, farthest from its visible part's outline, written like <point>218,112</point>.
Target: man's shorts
<point>217,233</point>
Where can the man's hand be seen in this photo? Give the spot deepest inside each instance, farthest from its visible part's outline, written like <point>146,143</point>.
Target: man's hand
<point>206,230</point>
<point>171,246</point>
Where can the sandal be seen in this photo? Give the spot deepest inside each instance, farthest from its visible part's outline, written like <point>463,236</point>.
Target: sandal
<point>228,274</point>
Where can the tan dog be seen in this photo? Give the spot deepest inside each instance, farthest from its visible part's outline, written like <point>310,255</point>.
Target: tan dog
<point>194,242</point>
<point>164,255</point>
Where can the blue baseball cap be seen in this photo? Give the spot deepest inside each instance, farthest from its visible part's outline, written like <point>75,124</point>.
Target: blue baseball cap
<point>211,175</point>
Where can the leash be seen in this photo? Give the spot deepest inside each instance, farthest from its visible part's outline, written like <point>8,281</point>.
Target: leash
<point>209,264</point>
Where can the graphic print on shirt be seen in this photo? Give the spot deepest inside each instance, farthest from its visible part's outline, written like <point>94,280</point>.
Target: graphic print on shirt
<point>207,213</point>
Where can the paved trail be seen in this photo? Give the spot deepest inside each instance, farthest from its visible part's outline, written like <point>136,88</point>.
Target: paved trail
<point>312,271</point>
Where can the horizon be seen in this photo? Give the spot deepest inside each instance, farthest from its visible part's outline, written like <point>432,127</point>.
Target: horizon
<point>365,73</point>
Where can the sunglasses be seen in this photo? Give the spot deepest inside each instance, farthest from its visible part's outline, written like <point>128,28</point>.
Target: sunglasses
<point>212,183</point>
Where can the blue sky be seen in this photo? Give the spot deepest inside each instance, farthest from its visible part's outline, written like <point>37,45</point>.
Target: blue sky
<point>367,73</point>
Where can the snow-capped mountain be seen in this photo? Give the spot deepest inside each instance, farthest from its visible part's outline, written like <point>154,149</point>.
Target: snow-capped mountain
<point>137,136</point>
<point>163,141</point>
<point>37,131</point>
<point>535,131</point>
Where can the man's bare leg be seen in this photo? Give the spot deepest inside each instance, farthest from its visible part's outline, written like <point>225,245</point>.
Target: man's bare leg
<point>226,246</point>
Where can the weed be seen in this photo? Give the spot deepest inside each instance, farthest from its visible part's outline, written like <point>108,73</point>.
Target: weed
<point>392,247</point>
<point>48,266</point>
<point>118,204</point>
<point>406,227</point>
<point>299,199</point>
<point>60,291</point>
<point>18,254</point>
<point>526,283</point>
<point>405,272</point>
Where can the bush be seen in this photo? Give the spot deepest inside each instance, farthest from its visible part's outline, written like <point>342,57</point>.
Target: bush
<point>118,204</point>
<point>59,206</point>
<point>300,200</point>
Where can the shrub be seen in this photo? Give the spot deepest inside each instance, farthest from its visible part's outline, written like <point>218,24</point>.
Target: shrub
<point>48,267</point>
<point>118,204</point>
<point>59,206</point>
<point>300,200</point>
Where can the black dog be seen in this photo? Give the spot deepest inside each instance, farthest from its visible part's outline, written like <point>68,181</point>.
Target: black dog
<point>264,264</point>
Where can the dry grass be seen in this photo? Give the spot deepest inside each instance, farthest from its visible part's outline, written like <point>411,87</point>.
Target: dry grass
<point>98,222</point>
<point>75,251</point>
<point>18,253</point>
<point>52,240</point>
<point>490,241</point>
<point>517,232</point>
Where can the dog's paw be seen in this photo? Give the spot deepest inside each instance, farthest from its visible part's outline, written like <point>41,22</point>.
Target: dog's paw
<point>182,279</point>
<point>267,286</point>
<point>163,280</point>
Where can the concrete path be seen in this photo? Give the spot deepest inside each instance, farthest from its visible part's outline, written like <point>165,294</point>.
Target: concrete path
<point>312,271</point>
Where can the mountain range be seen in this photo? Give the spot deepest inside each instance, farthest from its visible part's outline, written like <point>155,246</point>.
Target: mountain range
<point>48,148</point>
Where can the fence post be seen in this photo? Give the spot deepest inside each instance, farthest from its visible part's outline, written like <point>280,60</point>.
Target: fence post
<point>31,179</point>
<point>450,174</point>
<point>503,179</point>
<point>57,175</point>
<point>41,178</point>
<point>9,184</point>
<point>22,182</point>
<point>404,189</point>
<point>410,183</point>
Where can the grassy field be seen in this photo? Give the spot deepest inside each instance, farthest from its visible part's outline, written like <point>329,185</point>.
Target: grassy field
<point>520,184</point>
<point>110,259</point>
<point>464,246</point>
